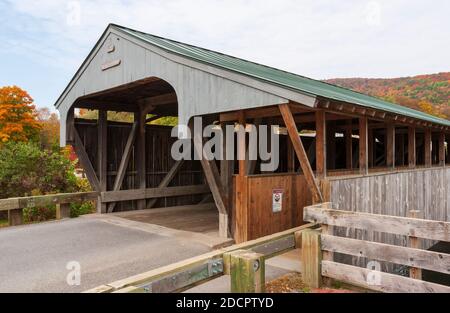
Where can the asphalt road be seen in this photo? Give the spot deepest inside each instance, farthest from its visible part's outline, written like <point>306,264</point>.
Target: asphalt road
<point>33,258</point>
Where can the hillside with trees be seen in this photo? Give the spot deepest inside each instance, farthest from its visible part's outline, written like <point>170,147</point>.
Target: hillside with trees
<point>428,93</point>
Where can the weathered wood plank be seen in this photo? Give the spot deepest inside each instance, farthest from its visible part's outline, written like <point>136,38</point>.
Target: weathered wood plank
<point>28,202</point>
<point>124,162</point>
<point>166,180</point>
<point>387,282</point>
<point>247,271</point>
<point>311,258</point>
<point>164,271</point>
<point>363,146</point>
<point>435,230</point>
<point>211,172</point>
<point>321,151</point>
<point>390,145</point>
<point>85,161</point>
<point>433,261</point>
<point>135,194</point>
<point>102,155</point>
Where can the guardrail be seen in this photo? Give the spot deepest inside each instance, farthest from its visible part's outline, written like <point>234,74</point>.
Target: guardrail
<point>318,247</point>
<point>15,206</point>
<point>245,263</point>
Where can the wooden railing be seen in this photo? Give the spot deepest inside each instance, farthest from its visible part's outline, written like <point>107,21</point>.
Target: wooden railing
<point>318,247</point>
<point>244,263</point>
<point>15,206</point>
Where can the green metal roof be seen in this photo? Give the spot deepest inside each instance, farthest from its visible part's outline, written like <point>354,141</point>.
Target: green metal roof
<point>278,77</point>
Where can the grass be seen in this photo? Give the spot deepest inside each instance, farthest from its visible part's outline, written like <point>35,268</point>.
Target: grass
<point>3,223</point>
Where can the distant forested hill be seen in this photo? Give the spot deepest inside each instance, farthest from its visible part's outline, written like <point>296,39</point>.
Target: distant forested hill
<point>428,93</point>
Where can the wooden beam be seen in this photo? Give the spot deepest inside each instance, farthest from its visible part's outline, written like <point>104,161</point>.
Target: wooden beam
<point>241,220</point>
<point>165,99</point>
<point>363,146</point>
<point>390,146</point>
<point>412,257</point>
<point>247,272</point>
<point>321,146</point>
<point>427,147</point>
<point>271,111</point>
<point>241,146</point>
<point>412,147</point>
<point>311,258</point>
<point>124,163</point>
<point>85,161</point>
<point>141,168</point>
<point>442,149</point>
<point>391,282</point>
<point>427,229</point>
<point>211,172</point>
<point>300,151</point>
<point>226,171</point>
<point>150,193</point>
<point>167,179</point>
<point>102,155</point>
<point>349,145</point>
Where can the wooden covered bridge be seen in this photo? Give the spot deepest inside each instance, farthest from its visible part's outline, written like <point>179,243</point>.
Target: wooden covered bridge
<point>356,151</point>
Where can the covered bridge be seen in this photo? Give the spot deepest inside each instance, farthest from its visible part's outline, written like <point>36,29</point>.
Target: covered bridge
<point>359,152</point>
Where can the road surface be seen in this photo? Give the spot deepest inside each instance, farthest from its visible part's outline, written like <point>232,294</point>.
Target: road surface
<point>33,258</point>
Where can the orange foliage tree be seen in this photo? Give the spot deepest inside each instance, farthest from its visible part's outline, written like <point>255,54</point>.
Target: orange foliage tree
<point>17,115</point>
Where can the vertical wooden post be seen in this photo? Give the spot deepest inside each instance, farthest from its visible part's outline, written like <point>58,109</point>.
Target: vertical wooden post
<point>427,147</point>
<point>212,176</point>
<point>441,149</point>
<point>370,150</point>
<point>15,217</point>
<point>102,165</point>
<point>363,146</point>
<point>226,178</point>
<point>139,117</point>
<point>412,146</point>
<point>349,145</point>
<point>331,145</point>
<point>241,218</point>
<point>401,143</point>
<point>415,243</point>
<point>62,210</point>
<point>247,272</point>
<point>321,161</point>
<point>390,146</point>
<point>311,258</point>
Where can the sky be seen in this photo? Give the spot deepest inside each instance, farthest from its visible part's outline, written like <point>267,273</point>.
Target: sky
<point>42,43</point>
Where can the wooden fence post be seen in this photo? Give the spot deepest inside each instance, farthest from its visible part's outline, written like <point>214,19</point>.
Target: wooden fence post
<point>311,258</point>
<point>247,272</point>
<point>62,210</point>
<point>15,217</point>
<point>416,243</point>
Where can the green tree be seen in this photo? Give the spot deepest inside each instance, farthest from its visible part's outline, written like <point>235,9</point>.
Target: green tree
<point>26,170</point>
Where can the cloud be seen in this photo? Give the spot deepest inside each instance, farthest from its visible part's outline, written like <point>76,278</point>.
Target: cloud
<point>316,38</point>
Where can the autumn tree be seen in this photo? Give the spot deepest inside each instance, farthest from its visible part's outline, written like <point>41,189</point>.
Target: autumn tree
<point>17,115</point>
<point>49,124</point>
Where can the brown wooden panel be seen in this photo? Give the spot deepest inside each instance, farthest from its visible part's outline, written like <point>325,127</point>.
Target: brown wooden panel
<point>255,218</point>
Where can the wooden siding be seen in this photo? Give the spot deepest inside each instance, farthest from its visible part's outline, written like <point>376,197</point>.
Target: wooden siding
<point>255,217</point>
<point>158,161</point>
<point>395,194</point>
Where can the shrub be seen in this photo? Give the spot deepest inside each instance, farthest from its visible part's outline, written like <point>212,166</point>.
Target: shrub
<point>27,170</point>
<point>77,209</point>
